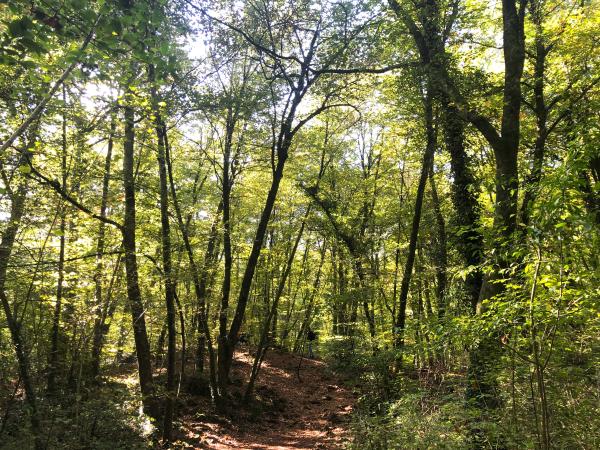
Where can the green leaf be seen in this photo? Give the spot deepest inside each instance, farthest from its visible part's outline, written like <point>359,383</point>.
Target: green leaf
<point>24,169</point>
<point>20,27</point>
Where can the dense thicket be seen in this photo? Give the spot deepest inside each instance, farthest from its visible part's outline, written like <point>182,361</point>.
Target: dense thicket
<point>417,181</point>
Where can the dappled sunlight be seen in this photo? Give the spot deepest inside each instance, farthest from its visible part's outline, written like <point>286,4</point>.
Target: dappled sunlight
<point>299,224</point>
<point>286,413</point>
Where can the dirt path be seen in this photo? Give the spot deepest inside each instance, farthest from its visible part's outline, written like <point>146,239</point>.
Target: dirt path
<point>310,413</point>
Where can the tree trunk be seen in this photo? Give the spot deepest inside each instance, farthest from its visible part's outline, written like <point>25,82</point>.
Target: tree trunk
<point>6,246</point>
<point>167,270</point>
<point>54,335</point>
<point>309,307</point>
<point>441,254</point>
<point>263,342</point>
<point>481,382</point>
<point>98,332</point>
<point>223,362</point>
<point>541,115</point>
<point>414,234</point>
<point>134,295</point>
<point>200,282</point>
<point>362,278</point>
<point>108,308</point>
<point>181,315</point>
<point>244,294</point>
<point>469,240</point>
<point>293,293</point>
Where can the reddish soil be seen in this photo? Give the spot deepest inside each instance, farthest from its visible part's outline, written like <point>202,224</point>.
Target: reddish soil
<point>288,413</point>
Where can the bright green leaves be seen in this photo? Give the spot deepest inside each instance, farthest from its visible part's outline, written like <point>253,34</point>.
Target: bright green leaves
<point>24,169</point>
<point>22,36</point>
<point>20,27</point>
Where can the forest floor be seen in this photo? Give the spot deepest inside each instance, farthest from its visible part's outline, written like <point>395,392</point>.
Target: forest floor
<point>305,408</point>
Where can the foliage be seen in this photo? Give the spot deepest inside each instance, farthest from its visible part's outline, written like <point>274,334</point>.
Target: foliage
<point>287,144</point>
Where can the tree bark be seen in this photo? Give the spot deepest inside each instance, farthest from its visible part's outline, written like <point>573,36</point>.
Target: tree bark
<point>481,383</point>
<point>263,342</point>
<point>223,362</point>
<point>167,269</point>
<point>200,281</point>
<point>400,324</point>
<point>505,144</point>
<point>244,294</point>
<point>311,300</point>
<point>6,246</point>
<point>98,333</point>
<point>441,254</point>
<point>541,115</point>
<point>54,335</point>
<point>134,295</point>
<point>464,189</point>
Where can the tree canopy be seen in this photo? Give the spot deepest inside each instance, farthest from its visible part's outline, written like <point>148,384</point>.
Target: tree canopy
<point>414,185</point>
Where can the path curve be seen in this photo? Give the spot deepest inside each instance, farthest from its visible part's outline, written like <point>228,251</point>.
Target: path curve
<point>310,413</point>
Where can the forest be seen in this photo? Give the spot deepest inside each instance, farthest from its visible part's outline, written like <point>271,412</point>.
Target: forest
<point>300,224</point>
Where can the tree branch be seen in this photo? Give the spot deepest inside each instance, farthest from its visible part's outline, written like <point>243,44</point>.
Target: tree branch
<point>377,70</point>
<point>245,35</point>
<point>40,107</point>
<point>56,186</point>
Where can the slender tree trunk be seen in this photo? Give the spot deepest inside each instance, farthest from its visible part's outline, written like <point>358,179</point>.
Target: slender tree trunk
<point>202,288</point>
<point>108,309</point>
<point>310,304</point>
<point>263,342</point>
<point>182,327</point>
<point>134,295</point>
<point>416,306</point>
<point>6,247</point>
<point>167,269</point>
<point>98,276</point>
<point>414,234</point>
<point>355,249</point>
<point>293,294</point>
<point>160,344</point>
<point>396,270</point>
<point>259,237</point>
<point>362,279</point>
<point>335,305</point>
<point>441,254</point>
<point>200,282</point>
<point>223,363</point>
<point>122,336</point>
<point>280,151</point>
<point>54,336</point>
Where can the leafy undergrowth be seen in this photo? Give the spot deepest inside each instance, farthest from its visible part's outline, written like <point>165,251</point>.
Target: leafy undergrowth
<point>425,412</point>
<point>99,419</point>
<point>410,409</point>
<point>299,404</point>
<point>426,408</point>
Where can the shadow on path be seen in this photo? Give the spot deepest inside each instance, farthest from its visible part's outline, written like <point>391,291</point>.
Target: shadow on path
<point>288,413</point>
